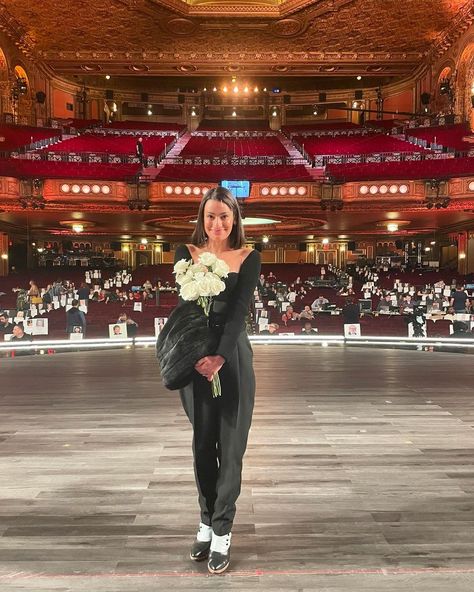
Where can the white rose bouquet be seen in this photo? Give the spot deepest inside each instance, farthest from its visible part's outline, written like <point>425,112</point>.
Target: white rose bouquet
<point>201,282</point>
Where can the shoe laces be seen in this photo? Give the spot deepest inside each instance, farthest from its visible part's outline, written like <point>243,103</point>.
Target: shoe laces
<point>204,534</point>
<point>221,544</point>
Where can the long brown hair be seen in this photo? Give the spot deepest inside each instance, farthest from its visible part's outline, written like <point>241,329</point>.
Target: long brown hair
<point>237,236</point>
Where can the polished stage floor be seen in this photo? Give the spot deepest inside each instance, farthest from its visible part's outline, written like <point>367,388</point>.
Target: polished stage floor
<point>359,475</point>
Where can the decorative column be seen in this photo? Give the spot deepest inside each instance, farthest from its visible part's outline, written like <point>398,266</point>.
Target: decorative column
<point>5,106</point>
<point>3,254</point>
<point>470,252</point>
<point>461,238</point>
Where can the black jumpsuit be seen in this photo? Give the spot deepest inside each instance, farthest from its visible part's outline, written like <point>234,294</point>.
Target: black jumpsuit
<point>221,424</point>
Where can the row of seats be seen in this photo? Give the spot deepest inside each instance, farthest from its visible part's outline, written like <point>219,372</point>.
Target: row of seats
<point>204,146</point>
<point>347,145</point>
<point>447,136</point>
<point>13,137</point>
<point>152,146</point>
<point>423,169</point>
<point>415,278</point>
<point>22,168</point>
<point>215,173</point>
<point>452,136</point>
<point>101,314</point>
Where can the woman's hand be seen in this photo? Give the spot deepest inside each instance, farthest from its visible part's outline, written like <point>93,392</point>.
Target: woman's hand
<point>209,365</point>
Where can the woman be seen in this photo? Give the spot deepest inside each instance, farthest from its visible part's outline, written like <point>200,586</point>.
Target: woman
<point>221,424</point>
<point>34,293</point>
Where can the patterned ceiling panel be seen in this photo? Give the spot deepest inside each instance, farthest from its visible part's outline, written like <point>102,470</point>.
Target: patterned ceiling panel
<point>162,34</point>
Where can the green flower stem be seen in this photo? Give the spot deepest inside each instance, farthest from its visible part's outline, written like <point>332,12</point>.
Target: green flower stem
<point>216,385</point>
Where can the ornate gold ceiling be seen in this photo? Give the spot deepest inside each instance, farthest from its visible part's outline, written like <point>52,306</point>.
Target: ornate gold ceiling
<point>252,37</point>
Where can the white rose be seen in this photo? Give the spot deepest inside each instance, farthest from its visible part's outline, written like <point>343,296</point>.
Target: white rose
<point>198,268</point>
<point>220,268</point>
<point>204,286</point>
<point>216,285</point>
<point>181,266</point>
<point>207,259</point>
<point>184,278</point>
<point>190,291</point>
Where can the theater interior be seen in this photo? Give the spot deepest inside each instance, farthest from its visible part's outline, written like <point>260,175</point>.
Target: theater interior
<point>343,128</point>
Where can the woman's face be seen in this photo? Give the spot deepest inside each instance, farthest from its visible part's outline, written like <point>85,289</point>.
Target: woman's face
<point>218,220</point>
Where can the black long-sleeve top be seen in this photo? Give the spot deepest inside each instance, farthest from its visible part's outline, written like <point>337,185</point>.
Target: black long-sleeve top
<point>237,298</point>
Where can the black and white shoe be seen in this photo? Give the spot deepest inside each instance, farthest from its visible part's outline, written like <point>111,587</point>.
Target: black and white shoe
<point>202,544</point>
<point>219,557</point>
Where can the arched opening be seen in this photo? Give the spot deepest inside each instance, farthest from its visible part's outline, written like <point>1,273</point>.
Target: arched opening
<point>465,84</point>
<point>4,98</point>
<point>3,66</point>
<point>20,96</point>
<point>444,97</point>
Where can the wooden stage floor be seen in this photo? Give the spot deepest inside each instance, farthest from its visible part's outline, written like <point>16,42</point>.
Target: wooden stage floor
<point>359,475</point>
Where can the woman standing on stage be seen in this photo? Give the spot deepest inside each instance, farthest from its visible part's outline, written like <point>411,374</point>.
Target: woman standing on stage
<point>221,424</point>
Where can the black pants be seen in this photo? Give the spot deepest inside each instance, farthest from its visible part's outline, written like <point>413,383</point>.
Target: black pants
<point>221,427</point>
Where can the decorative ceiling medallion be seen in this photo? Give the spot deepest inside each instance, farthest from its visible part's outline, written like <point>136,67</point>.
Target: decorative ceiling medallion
<point>329,68</point>
<point>138,68</point>
<point>374,69</point>
<point>181,26</point>
<point>91,67</point>
<point>233,68</point>
<point>281,68</point>
<point>186,68</point>
<point>286,27</point>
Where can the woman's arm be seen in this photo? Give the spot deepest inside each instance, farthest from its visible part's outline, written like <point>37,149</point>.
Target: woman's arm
<point>238,306</point>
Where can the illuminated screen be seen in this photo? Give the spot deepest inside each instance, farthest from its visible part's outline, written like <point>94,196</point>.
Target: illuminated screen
<point>238,188</point>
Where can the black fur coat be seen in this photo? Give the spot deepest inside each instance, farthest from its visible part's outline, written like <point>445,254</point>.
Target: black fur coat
<point>184,339</point>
